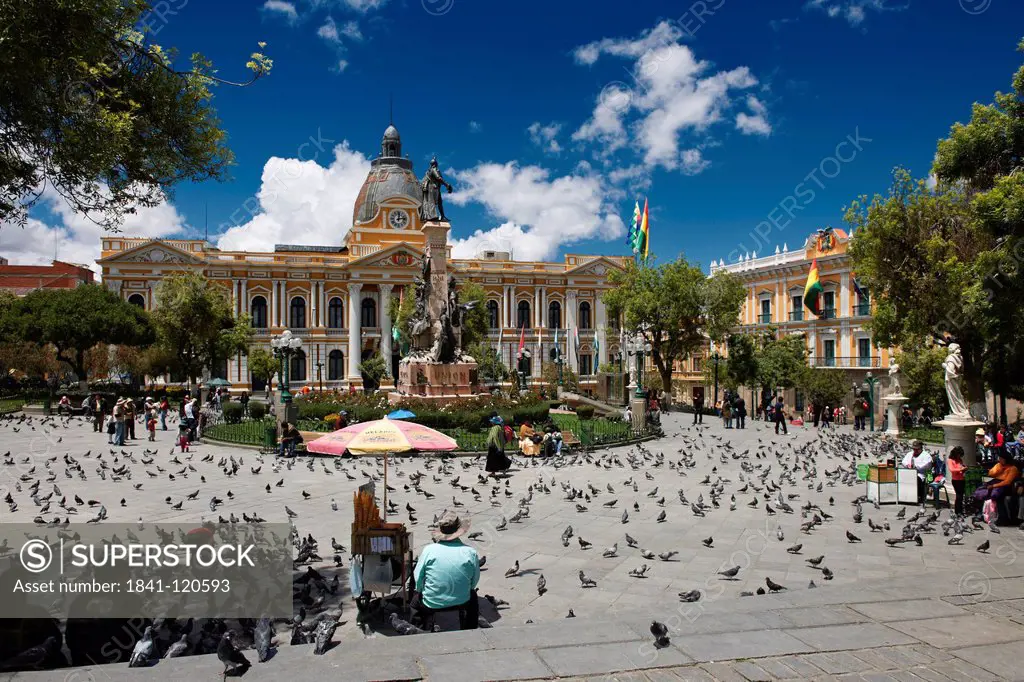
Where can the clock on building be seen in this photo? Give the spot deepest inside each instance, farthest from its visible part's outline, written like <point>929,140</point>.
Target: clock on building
<point>398,218</point>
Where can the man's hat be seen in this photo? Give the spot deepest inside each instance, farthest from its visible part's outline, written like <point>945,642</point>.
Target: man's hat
<point>450,527</point>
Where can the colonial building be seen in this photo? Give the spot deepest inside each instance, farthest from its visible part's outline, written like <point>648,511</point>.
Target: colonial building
<point>21,279</point>
<point>335,297</point>
<point>838,339</point>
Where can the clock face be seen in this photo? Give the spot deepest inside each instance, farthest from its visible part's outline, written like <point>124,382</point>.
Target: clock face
<point>398,218</point>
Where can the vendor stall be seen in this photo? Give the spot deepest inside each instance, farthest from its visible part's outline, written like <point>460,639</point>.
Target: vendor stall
<point>881,484</point>
<point>906,486</point>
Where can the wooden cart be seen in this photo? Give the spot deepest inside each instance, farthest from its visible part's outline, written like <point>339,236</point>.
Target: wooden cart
<point>371,536</point>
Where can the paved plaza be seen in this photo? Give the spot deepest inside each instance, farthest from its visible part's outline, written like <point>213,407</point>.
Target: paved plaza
<point>890,609</point>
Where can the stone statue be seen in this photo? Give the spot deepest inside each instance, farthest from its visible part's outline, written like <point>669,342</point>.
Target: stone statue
<point>432,207</point>
<point>894,378</point>
<point>953,364</point>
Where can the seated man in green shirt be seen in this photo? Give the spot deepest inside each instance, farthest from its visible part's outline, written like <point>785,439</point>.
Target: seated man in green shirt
<point>447,574</point>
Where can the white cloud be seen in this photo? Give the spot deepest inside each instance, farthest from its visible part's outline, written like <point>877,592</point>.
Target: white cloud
<point>692,162</point>
<point>302,202</point>
<point>340,66</point>
<point>329,31</point>
<point>756,123</point>
<point>854,11</point>
<point>672,93</point>
<point>73,236</point>
<point>475,127</point>
<point>546,136</point>
<point>538,213</point>
<point>365,5</point>
<point>282,8</point>
<point>351,31</point>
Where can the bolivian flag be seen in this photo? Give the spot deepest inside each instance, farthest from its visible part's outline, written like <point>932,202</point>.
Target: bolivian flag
<point>812,290</point>
<point>645,235</point>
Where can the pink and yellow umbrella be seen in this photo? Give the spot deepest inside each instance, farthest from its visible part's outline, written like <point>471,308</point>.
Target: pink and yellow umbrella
<point>382,436</point>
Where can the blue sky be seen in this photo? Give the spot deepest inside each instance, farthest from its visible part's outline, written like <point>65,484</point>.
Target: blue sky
<point>552,118</point>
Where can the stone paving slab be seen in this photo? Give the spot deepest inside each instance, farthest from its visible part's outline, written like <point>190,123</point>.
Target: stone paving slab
<point>854,636</point>
<point>913,609</point>
<point>952,633</point>
<point>610,658</point>
<point>482,666</point>
<point>753,644</point>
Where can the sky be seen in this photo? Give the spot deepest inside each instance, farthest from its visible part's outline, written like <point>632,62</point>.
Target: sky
<point>745,124</point>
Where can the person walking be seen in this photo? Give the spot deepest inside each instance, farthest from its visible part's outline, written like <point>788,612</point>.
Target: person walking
<point>98,412</point>
<point>780,416</point>
<point>859,412</point>
<point>165,407</point>
<point>727,412</point>
<point>119,427</point>
<point>244,401</point>
<point>740,408</point>
<point>698,409</point>
<point>496,459</point>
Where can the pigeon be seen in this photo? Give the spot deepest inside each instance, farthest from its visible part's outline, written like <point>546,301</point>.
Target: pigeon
<point>667,556</point>
<point>826,572</point>
<point>795,549</point>
<point>514,571</point>
<point>708,541</point>
<point>851,537</point>
<point>570,614</point>
<point>730,572</point>
<point>585,581</point>
<point>689,597</point>
<point>816,561</point>
<point>660,632</point>
<point>323,635</point>
<point>583,543</point>
<point>403,627</point>
<point>143,651</point>
<point>542,585</point>
<point>773,586</point>
<point>611,551</point>
<point>179,648</point>
<point>229,655</point>
<point>983,547</point>
<point>263,639</point>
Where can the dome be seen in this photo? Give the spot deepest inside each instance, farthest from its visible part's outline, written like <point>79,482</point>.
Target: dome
<point>390,176</point>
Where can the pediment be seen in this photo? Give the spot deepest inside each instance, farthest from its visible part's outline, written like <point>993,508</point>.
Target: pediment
<point>155,251</point>
<point>397,256</point>
<point>599,267</point>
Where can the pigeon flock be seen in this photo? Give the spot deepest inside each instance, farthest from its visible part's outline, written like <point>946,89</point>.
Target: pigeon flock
<point>661,505</point>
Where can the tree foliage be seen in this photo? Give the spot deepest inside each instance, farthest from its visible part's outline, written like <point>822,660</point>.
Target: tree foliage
<point>675,306</point>
<point>489,363</point>
<point>474,321</point>
<point>781,360</point>
<point>824,387</point>
<point>96,111</point>
<point>373,368</point>
<point>922,378</point>
<point>549,376</point>
<point>75,320</point>
<point>195,323</point>
<point>262,364</point>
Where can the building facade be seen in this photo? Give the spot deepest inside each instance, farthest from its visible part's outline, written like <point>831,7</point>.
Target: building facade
<point>837,340</point>
<point>336,297</point>
<point>21,279</point>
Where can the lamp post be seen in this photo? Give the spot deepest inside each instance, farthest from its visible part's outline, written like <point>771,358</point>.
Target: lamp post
<point>284,347</point>
<point>637,348</point>
<point>320,374</point>
<point>869,383</point>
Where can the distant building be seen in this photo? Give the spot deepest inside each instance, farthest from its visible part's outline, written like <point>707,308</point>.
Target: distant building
<point>21,279</point>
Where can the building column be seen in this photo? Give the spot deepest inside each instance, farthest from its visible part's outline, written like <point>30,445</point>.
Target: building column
<point>385,324</point>
<point>245,296</point>
<point>354,332</point>
<point>570,329</point>
<point>601,332</point>
<point>506,318</point>
<point>537,317</point>
<point>273,303</point>
<point>323,304</point>
<point>780,303</point>
<point>844,295</point>
<point>314,305</point>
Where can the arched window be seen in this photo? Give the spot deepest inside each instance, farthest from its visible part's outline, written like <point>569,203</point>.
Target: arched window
<point>584,315</point>
<point>335,316</point>
<point>298,368</point>
<point>492,314</point>
<point>554,315</point>
<point>523,314</point>
<point>369,313</point>
<point>297,313</point>
<point>258,309</point>
<point>335,366</point>
<point>138,299</point>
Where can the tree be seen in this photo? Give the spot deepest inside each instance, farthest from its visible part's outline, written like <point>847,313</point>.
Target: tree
<point>824,387</point>
<point>489,363</point>
<point>74,321</point>
<point>262,364</point>
<point>675,307</point>
<point>741,368</point>
<point>194,322</point>
<point>401,309</point>
<point>549,376</point>
<point>94,110</point>
<point>922,377</point>
<point>781,360</point>
<point>475,322</point>
<point>373,370</point>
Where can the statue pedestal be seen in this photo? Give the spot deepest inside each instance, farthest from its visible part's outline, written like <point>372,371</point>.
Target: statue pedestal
<point>436,381</point>
<point>893,404</point>
<point>638,406</point>
<point>960,431</point>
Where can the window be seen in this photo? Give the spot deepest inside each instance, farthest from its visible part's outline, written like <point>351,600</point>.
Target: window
<point>864,352</point>
<point>298,366</point>
<point>698,363</point>
<point>554,315</point>
<point>258,309</point>
<point>586,365</point>
<point>138,299</point>
<point>523,314</point>
<point>863,302</point>
<point>335,314</point>
<point>584,316</point>
<point>829,346</point>
<point>221,370</point>
<point>368,315</point>
<point>493,320</point>
<point>828,303</point>
<point>766,311</point>
<point>335,366</point>
<point>798,308</point>
<point>297,313</point>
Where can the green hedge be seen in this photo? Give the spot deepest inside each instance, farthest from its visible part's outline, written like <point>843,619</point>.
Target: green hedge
<point>232,412</point>
<point>257,410</point>
<point>468,420</point>
<point>926,435</point>
<point>8,405</point>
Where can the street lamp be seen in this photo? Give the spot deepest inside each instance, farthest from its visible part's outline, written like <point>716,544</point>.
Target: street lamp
<point>284,347</point>
<point>637,348</point>
<point>320,374</point>
<point>523,356</point>
<point>869,383</point>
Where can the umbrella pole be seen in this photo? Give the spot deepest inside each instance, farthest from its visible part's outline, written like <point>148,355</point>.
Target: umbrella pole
<point>385,512</point>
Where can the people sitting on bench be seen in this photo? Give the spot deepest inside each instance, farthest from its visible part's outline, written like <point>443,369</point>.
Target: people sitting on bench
<point>446,575</point>
<point>1003,474</point>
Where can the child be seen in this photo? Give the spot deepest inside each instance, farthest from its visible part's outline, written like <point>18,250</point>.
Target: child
<point>183,437</point>
<point>111,429</point>
<point>151,423</point>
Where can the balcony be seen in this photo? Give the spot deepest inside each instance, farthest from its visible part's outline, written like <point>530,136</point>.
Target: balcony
<point>852,362</point>
<point>862,309</point>
<point>828,314</point>
<point>334,331</point>
<point>796,316</point>
<point>764,318</point>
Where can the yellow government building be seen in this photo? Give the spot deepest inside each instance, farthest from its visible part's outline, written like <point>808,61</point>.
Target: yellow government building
<point>335,297</point>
